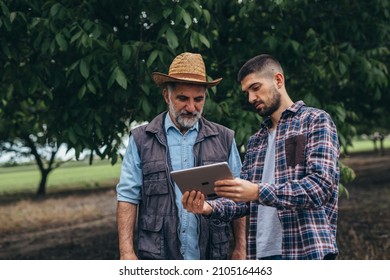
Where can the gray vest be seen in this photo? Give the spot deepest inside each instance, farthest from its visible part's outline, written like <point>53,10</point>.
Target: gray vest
<point>158,219</point>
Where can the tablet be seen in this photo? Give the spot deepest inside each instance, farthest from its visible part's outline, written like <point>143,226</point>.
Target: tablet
<point>202,178</point>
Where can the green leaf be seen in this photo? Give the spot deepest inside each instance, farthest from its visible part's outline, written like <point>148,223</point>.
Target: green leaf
<point>146,107</point>
<point>81,92</point>
<point>72,136</point>
<point>341,114</point>
<point>76,36</point>
<point>342,68</point>
<point>206,15</point>
<point>197,8</point>
<point>112,78</point>
<point>10,91</point>
<point>4,8</point>
<point>152,58</point>
<point>121,78</point>
<point>54,9</point>
<point>271,41</point>
<point>167,12</point>
<point>145,89</point>
<point>77,128</point>
<point>194,40</point>
<point>84,68</point>
<point>91,87</point>
<point>187,19</point>
<point>62,43</point>
<point>171,39</point>
<point>12,16</point>
<point>99,132</point>
<point>5,48</point>
<point>73,66</point>
<point>126,52</point>
<point>204,40</point>
<point>295,45</point>
<point>179,14</point>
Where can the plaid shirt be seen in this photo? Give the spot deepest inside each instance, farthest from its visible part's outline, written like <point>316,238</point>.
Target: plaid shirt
<point>306,183</point>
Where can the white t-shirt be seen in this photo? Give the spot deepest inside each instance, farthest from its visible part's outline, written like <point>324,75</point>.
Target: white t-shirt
<point>269,229</point>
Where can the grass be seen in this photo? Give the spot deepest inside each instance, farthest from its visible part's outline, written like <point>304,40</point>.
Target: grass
<point>364,145</point>
<point>71,175</point>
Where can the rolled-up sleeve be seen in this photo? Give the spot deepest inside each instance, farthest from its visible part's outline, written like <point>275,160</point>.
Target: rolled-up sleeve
<point>130,182</point>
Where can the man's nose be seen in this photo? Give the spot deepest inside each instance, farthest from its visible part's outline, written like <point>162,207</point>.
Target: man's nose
<point>251,98</point>
<point>190,107</point>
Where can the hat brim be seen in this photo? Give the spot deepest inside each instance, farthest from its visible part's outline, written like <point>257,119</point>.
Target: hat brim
<point>160,79</point>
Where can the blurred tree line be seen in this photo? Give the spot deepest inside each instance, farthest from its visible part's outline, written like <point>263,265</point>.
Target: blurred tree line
<point>79,72</point>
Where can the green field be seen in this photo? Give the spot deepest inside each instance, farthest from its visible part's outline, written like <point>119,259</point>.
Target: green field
<point>81,175</point>
<point>367,145</point>
<point>70,175</point>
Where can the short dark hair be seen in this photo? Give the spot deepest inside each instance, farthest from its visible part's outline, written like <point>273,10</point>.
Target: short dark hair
<point>259,63</point>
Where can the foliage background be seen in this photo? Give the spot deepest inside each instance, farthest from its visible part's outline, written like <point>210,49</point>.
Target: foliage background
<point>79,72</point>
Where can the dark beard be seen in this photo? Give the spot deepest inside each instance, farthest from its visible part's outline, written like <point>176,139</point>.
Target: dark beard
<point>275,104</point>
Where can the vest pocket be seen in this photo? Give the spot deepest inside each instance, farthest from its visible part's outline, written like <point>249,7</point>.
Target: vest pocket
<point>150,239</point>
<point>155,180</point>
<point>219,241</point>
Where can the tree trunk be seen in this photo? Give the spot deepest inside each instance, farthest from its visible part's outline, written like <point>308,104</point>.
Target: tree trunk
<point>382,147</point>
<point>41,165</point>
<point>42,184</point>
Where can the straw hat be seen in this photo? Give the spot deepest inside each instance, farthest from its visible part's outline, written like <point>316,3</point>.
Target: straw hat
<point>185,68</point>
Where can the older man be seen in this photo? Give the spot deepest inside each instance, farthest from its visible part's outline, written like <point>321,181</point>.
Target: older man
<point>177,139</point>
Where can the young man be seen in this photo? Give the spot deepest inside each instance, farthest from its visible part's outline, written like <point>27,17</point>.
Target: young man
<point>289,179</point>
<point>177,139</point>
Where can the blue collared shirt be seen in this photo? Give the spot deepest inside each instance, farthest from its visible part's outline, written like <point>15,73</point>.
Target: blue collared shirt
<point>181,156</point>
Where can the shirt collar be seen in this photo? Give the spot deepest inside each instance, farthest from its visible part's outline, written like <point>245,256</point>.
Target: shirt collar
<point>168,123</point>
<point>293,109</point>
<point>296,106</point>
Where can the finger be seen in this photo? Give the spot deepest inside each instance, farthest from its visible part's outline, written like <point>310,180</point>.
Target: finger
<point>226,189</point>
<point>202,197</point>
<point>225,182</point>
<point>191,201</point>
<point>196,203</point>
<point>225,192</point>
<point>184,198</point>
<point>198,200</point>
<point>187,200</point>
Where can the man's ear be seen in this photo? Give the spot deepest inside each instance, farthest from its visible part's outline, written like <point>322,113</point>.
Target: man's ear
<point>279,80</point>
<point>166,95</point>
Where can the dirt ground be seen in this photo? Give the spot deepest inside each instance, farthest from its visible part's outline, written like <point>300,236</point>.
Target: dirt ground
<point>364,218</point>
<point>363,228</point>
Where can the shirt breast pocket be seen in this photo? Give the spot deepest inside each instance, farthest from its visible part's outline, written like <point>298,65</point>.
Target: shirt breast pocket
<point>295,150</point>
